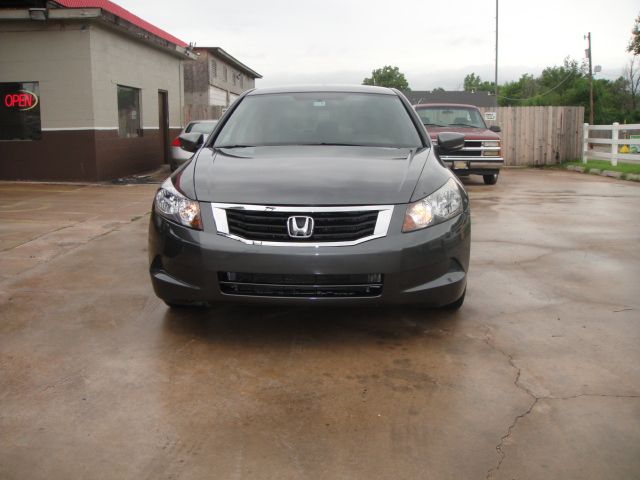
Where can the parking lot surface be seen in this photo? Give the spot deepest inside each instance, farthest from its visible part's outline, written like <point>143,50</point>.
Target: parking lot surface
<point>536,377</point>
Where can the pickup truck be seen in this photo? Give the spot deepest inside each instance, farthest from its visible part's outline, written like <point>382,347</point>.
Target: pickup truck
<point>481,154</point>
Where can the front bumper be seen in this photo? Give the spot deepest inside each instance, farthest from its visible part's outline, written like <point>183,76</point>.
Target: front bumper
<point>428,266</point>
<point>464,165</point>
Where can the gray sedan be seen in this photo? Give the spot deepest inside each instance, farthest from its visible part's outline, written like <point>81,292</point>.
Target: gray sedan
<point>178,155</point>
<point>325,195</point>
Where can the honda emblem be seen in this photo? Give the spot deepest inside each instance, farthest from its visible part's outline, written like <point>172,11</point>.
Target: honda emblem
<point>300,227</point>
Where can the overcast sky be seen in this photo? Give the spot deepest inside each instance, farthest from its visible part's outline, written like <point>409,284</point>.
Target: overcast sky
<point>434,43</point>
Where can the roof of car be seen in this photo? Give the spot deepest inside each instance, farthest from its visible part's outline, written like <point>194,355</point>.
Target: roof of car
<point>323,88</point>
<point>464,105</point>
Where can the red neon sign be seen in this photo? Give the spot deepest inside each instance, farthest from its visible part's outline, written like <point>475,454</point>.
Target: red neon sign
<point>21,100</point>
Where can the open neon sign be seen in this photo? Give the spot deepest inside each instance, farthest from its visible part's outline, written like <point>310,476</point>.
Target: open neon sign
<point>21,100</point>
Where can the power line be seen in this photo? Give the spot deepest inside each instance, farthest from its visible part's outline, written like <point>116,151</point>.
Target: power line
<point>540,94</point>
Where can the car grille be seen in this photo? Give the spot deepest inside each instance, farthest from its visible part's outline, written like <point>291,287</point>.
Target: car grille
<point>470,153</point>
<point>304,286</point>
<point>334,226</point>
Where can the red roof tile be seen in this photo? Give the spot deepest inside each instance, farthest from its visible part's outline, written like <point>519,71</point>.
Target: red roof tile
<point>124,14</point>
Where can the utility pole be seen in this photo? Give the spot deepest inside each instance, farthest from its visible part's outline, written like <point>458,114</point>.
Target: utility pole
<point>588,37</point>
<point>496,73</point>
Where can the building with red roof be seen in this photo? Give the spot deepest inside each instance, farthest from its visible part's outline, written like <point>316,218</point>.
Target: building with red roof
<point>88,90</point>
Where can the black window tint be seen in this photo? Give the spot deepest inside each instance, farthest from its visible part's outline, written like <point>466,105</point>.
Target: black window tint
<point>320,118</point>
<point>20,111</point>
<point>129,112</point>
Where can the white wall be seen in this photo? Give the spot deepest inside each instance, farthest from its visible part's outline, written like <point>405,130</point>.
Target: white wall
<point>57,58</point>
<point>119,60</point>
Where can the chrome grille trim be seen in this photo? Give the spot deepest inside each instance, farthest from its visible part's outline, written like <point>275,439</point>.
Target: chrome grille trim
<point>381,229</point>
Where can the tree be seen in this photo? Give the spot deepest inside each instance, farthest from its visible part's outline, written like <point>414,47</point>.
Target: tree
<point>632,76</point>
<point>387,76</point>
<point>473,83</point>
<point>634,43</point>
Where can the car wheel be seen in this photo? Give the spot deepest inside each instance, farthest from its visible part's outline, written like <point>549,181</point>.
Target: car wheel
<point>457,304</point>
<point>490,179</point>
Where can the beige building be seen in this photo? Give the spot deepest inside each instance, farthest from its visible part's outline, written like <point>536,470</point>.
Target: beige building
<point>86,93</point>
<point>213,82</point>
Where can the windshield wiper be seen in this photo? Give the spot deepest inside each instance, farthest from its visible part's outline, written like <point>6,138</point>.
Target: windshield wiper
<point>463,125</point>
<point>434,125</point>
<point>331,144</point>
<point>234,146</point>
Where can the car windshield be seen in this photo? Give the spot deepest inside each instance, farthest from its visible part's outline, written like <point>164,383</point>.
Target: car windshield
<point>201,127</point>
<point>451,117</point>
<point>320,118</point>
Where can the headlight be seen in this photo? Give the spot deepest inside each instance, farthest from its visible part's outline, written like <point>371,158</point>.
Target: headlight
<point>173,205</point>
<point>493,144</point>
<point>441,205</point>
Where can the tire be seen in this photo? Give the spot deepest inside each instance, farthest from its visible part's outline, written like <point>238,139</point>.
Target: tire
<point>457,304</point>
<point>490,179</point>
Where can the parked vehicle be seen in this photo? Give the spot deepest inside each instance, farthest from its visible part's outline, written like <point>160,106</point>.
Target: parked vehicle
<point>179,155</point>
<point>321,195</point>
<point>481,154</point>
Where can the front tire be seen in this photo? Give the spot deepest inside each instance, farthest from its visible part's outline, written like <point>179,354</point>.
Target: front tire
<point>491,179</point>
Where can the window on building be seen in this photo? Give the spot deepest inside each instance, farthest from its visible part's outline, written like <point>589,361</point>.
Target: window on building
<point>225,74</point>
<point>20,111</point>
<point>217,96</point>
<point>213,68</point>
<point>241,78</point>
<point>129,112</point>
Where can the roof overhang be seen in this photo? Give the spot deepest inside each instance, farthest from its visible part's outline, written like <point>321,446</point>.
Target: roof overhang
<point>103,18</point>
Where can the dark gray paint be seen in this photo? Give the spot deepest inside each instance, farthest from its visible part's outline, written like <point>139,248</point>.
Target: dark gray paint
<point>315,175</point>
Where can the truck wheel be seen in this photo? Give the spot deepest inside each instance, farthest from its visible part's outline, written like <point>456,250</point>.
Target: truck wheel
<point>490,179</point>
<point>457,304</point>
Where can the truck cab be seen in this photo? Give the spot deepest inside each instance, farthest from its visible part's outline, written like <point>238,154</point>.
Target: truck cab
<point>481,155</point>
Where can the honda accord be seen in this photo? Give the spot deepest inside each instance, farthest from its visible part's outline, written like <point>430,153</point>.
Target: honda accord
<point>329,195</point>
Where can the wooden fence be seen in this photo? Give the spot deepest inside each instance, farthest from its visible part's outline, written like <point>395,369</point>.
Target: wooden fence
<point>616,143</point>
<point>539,135</point>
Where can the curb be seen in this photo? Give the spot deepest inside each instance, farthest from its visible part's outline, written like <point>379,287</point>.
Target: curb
<point>634,177</point>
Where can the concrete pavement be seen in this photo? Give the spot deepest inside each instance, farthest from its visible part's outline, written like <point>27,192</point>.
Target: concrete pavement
<point>538,376</point>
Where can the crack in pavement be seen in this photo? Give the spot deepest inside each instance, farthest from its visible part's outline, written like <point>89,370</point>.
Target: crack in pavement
<point>65,251</point>
<point>500,446</point>
<point>516,382</point>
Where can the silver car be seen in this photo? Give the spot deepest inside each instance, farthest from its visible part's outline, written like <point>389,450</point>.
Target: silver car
<point>177,154</point>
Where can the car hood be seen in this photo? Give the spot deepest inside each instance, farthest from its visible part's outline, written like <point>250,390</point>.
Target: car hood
<point>308,175</point>
<point>468,132</point>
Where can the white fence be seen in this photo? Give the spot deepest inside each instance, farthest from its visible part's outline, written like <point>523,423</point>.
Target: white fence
<point>595,146</point>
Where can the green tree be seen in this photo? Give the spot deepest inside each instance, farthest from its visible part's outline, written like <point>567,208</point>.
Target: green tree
<point>473,83</point>
<point>634,44</point>
<point>568,84</point>
<point>387,76</point>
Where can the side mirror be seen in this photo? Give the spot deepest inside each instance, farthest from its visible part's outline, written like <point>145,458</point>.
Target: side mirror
<point>450,141</point>
<point>191,142</point>
<point>495,128</point>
